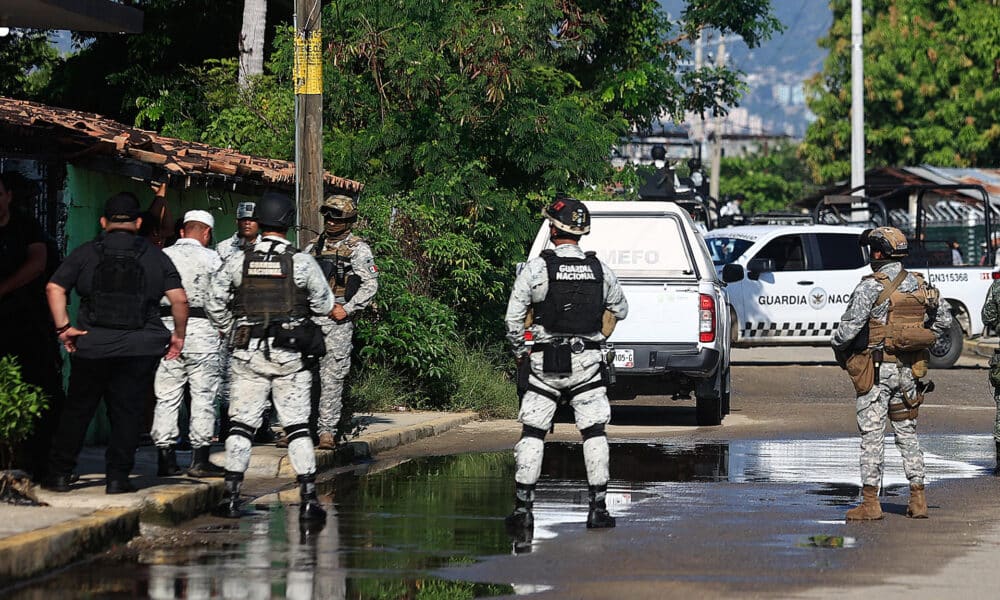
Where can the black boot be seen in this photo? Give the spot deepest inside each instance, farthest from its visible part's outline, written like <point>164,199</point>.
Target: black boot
<point>229,506</point>
<point>520,524</point>
<point>166,462</point>
<point>996,469</point>
<point>598,517</point>
<point>309,507</point>
<point>201,465</point>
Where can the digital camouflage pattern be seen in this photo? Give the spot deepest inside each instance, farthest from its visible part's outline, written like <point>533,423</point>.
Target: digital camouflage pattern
<point>893,380</point>
<point>199,365</point>
<point>991,319</point>
<point>261,368</point>
<point>589,408</point>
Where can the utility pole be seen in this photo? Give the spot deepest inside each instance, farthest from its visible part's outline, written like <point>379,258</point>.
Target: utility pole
<point>713,179</point>
<point>857,99</point>
<point>699,122</point>
<point>308,78</point>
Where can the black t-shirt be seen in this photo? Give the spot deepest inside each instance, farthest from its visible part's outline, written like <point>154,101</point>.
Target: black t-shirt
<point>77,271</point>
<point>15,237</point>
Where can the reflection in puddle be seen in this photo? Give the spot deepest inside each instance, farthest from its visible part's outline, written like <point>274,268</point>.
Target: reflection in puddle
<point>392,534</point>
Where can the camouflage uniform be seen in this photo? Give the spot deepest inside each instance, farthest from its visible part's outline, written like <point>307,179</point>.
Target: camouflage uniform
<point>893,381</point>
<point>198,364</point>
<point>233,244</point>
<point>991,319</point>
<point>262,368</point>
<point>590,407</point>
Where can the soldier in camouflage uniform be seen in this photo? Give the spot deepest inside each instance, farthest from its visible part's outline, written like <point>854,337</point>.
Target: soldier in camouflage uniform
<point>273,289</point>
<point>894,381</point>
<point>349,267</point>
<point>247,232</point>
<point>991,319</point>
<point>198,365</point>
<point>568,292</point>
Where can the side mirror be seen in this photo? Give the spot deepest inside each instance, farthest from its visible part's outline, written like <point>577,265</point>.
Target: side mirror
<point>756,266</point>
<point>732,273</point>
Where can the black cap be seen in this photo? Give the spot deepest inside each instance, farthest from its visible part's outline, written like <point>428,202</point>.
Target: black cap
<point>122,208</point>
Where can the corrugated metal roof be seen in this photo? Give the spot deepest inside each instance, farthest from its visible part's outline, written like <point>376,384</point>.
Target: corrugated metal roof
<point>81,134</point>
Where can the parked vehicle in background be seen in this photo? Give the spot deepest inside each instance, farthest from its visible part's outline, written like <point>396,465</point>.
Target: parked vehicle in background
<point>675,340</point>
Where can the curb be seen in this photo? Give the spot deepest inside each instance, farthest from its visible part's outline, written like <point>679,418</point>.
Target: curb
<point>366,446</point>
<point>34,552</point>
<point>980,349</point>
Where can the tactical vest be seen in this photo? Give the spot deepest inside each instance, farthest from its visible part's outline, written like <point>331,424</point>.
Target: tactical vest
<point>118,289</point>
<point>268,291</point>
<point>337,267</point>
<point>904,329</point>
<point>574,303</point>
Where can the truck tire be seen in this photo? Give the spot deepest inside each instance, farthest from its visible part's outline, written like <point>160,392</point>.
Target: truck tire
<point>708,411</point>
<point>945,353</point>
<point>727,392</point>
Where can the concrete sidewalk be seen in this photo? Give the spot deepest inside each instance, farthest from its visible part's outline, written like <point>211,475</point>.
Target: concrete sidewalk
<point>981,347</point>
<point>34,539</point>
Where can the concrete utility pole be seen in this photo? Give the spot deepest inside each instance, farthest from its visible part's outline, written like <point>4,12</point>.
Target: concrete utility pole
<point>713,178</point>
<point>699,122</point>
<point>857,99</point>
<point>308,117</point>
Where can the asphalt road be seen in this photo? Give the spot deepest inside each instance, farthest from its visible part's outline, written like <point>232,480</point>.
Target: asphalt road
<point>738,508</point>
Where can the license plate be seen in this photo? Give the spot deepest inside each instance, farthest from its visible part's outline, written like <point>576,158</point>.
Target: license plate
<point>624,358</point>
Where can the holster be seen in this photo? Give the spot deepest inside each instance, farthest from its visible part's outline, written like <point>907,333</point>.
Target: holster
<point>523,370</point>
<point>862,371</point>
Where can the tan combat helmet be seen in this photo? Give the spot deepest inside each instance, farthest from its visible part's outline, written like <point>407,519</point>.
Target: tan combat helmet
<point>337,207</point>
<point>887,240</point>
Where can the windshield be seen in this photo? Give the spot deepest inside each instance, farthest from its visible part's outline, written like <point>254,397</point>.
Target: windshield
<point>725,250</point>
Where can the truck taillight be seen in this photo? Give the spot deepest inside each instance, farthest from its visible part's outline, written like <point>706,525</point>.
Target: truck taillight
<point>706,318</point>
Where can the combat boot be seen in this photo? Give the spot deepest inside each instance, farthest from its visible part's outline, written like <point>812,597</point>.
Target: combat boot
<point>520,524</point>
<point>166,462</point>
<point>599,517</point>
<point>201,464</point>
<point>326,441</point>
<point>917,508</point>
<point>229,506</point>
<point>996,469</point>
<point>869,509</point>
<point>309,507</point>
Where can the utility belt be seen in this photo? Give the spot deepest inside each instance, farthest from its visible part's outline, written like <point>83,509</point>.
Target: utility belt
<point>194,312</point>
<point>305,337</point>
<point>576,348</point>
<point>557,355</point>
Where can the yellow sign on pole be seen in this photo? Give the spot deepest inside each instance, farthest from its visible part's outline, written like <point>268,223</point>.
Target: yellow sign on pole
<point>308,62</point>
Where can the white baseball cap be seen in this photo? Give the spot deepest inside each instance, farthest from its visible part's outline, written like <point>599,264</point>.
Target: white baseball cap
<point>201,216</point>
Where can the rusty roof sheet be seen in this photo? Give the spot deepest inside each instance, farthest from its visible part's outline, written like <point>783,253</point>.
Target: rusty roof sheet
<point>80,134</point>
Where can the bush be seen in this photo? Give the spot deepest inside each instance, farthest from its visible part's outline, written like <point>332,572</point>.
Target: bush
<point>21,404</point>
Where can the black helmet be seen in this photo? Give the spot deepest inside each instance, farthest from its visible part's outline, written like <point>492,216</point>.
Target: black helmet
<point>569,215</point>
<point>275,211</point>
<point>887,240</point>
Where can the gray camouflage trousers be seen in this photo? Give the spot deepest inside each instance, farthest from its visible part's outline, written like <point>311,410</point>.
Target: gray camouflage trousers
<point>333,370</point>
<point>589,408</point>
<point>253,377</point>
<point>202,373</point>
<point>873,412</point>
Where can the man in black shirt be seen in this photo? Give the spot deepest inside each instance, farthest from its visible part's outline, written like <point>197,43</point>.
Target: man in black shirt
<point>25,329</point>
<point>118,341</point>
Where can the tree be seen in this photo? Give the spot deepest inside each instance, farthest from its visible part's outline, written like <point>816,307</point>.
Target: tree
<point>769,181</point>
<point>932,87</point>
<point>26,61</point>
<point>251,46</point>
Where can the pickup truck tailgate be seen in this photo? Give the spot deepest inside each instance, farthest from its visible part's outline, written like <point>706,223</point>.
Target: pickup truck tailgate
<point>659,314</point>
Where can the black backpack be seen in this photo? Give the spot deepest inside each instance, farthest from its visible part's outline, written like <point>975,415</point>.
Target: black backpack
<point>118,295</point>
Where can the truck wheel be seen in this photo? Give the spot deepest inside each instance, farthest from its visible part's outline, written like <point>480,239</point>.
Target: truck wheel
<point>708,411</point>
<point>727,392</point>
<point>734,327</point>
<point>945,352</point>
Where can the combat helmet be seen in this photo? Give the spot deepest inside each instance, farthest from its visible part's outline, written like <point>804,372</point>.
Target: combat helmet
<point>275,211</point>
<point>887,240</point>
<point>338,207</point>
<point>568,215</point>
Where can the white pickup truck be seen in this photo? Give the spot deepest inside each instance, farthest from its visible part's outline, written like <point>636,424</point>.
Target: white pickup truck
<point>676,337</point>
<point>789,285</point>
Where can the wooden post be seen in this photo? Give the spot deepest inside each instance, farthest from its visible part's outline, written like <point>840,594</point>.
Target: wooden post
<point>308,78</point>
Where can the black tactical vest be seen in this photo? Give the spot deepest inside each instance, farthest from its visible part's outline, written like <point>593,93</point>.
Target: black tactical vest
<point>337,268</point>
<point>118,289</point>
<point>574,303</point>
<point>268,291</point>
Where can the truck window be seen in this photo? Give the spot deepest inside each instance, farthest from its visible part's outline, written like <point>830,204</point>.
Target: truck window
<point>787,253</point>
<point>640,246</point>
<point>725,250</point>
<point>840,251</point>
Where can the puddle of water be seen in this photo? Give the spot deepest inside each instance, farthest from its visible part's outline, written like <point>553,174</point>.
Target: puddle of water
<point>393,534</point>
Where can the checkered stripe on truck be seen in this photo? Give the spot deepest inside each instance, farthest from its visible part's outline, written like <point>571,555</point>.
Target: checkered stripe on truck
<point>800,329</point>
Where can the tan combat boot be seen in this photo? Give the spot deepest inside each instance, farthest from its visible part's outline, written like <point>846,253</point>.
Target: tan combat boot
<point>326,441</point>
<point>869,509</point>
<point>917,508</point>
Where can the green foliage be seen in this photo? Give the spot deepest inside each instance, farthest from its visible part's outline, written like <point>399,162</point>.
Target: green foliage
<point>931,92</point>
<point>21,404</point>
<point>26,62</point>
<point>770,181</point>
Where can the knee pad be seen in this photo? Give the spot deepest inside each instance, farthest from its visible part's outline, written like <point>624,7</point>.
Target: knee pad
<point>527,431</point>
<point>241,429</point>
<point>596,430</point>
<point>295,432</point>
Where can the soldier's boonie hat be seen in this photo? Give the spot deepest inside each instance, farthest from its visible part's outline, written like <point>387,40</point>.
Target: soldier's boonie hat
<point>200,216</point>
<point>338,207</point>
<point>569,215</point>
<point>246,210</point>
<point>887,240</point>
<point>122,208</point>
